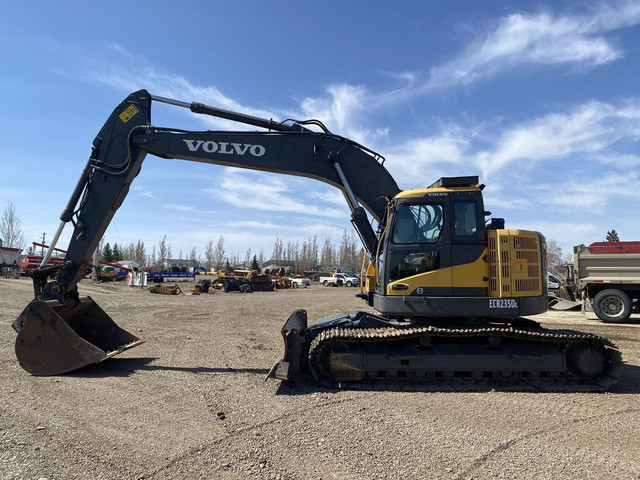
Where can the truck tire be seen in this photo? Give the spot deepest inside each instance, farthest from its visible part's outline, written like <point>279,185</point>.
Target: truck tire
<point>612,306</point>
<point>349,284</point>
<point>325,283</point>
<point>294,285</point>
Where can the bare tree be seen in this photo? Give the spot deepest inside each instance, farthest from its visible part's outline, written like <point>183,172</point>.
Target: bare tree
<point>10,231</point>
<point>139,254</point>
<point>327,256</point>
<point>193,257</point>
<point>292,253</point>
<point>313,252</point>
<point>162,253</point>
<point>278,250</point>
<point>209,255</point>
<point>233,259</point>
<point>555,257</point>
<point>349,257</point>
<point>152,260</point>
<point>218,254</point>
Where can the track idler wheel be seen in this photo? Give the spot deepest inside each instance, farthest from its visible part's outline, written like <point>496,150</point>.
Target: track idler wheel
<point>585,359</point>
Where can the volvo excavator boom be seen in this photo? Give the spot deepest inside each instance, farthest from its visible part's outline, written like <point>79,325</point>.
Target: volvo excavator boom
<point>433,259</point>
<point>127,137</point>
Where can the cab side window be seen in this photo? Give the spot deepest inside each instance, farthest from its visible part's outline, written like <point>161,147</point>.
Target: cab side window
<point>465,220</point>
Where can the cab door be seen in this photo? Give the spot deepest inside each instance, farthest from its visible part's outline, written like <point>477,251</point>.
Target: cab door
<point>418,253</point>
<point>468,246</point>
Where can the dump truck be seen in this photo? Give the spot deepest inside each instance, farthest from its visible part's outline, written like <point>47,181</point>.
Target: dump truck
<point>450,285</point>
<point>604,278</point>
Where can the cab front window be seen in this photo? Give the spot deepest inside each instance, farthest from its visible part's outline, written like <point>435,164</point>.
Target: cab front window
<point>417,229</point>
<point>418,224</point>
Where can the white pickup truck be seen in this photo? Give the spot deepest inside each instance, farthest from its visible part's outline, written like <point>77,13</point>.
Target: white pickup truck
<point>300,282</point>
<point>337,279</point>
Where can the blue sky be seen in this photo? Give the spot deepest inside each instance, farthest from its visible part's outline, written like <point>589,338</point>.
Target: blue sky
<point>539,99</point>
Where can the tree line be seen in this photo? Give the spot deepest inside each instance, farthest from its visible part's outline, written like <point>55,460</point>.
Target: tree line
<point>300,257</point>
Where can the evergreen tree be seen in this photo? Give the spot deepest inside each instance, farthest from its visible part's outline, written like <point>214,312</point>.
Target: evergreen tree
<point>107,253</point>
<point>254,264</point>
<point>612,236</point>
<point>117,254</point>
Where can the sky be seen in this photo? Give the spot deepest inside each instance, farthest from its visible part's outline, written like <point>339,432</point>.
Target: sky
<point>539,99</point>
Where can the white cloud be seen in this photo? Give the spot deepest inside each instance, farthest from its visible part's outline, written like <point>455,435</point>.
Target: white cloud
<point>341,110</point>
<point>144,192</point>
<point>425,157</point>
<point>178,207</point>
<point>525,39</point>
<point>590,194</point>
<point>591,128</point>
<point>259,192</point>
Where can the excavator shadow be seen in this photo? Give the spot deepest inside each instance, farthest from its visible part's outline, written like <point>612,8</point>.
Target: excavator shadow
<point>304,384</point>
<point>628,384</point>
<point>125,367</point>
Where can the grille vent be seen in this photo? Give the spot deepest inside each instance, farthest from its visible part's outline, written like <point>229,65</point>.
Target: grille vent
<point>515,268</point>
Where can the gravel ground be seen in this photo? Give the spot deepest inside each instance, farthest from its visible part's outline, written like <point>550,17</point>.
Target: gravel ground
<point>192,402</point>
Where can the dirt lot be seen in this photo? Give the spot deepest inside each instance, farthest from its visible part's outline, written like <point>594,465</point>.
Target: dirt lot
<point>192,403</point>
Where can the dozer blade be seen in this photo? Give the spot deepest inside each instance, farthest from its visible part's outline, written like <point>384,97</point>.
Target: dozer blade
<point>562,304</point>
<point>56,338</point>
<point>290,364</point>
<point>564,299</point>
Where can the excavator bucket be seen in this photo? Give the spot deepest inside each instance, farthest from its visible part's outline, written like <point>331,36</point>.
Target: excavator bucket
<point>55,338</point>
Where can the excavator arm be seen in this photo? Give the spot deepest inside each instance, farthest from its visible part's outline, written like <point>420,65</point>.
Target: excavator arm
<point>289,148</point>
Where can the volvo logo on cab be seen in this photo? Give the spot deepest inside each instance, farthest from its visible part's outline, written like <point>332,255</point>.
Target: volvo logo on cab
<point>225,147</point>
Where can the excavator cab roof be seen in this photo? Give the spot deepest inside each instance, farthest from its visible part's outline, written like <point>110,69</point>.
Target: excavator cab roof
<point>442,185</point>
<point>448,182</point>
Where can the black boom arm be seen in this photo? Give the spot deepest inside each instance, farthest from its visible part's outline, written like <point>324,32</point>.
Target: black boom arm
<point>127,136</point>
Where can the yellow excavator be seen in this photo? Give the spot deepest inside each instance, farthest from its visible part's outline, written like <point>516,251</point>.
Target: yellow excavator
<point>450,284</point>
